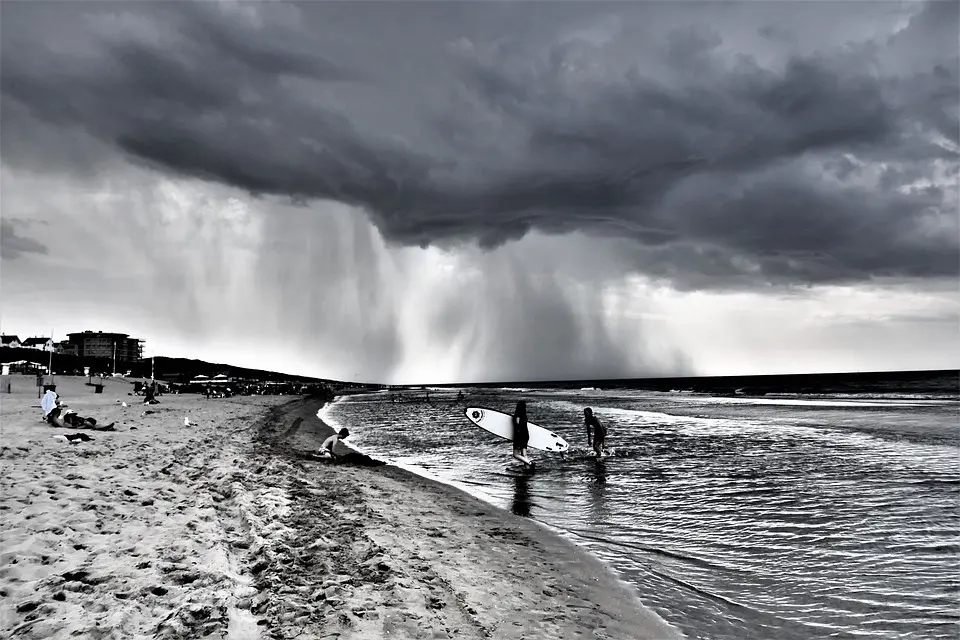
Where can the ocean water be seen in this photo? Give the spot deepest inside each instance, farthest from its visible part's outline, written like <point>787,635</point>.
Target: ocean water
<point>734,518</point>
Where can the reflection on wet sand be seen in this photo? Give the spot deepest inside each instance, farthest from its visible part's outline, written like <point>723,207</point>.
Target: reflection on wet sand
<point>597,490</point>
<point>521,495</point>
<point>601,471</point>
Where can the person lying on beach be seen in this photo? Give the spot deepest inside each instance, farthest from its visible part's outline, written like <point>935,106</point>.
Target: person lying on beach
<point>57,415</point>
<point>69,418</point>
<point>330,444</point>
<point>521,434</point>
<point>599,435</point>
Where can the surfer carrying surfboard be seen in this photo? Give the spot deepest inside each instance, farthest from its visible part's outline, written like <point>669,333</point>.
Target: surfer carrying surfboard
<point>521,434</point>
<point>509,426</point>
<point>599,431</point>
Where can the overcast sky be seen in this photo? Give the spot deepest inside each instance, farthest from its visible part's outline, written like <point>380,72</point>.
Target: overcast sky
<point>458,191</point>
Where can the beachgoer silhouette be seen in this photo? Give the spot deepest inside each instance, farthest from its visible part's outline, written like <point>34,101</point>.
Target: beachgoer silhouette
<point>521,434</point>
<point>599,435</point>
<point>150,395</point>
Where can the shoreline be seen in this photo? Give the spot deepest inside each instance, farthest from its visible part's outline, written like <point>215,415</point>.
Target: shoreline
<point>227,529</point>
<point>441,485</point>
<point>573,573</point>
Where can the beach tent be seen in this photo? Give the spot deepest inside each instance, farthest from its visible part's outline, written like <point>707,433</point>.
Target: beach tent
<point>25,366</point>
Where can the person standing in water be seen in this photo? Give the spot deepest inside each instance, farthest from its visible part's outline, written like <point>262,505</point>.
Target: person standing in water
<point>599,434</point>
<point>521,434</point>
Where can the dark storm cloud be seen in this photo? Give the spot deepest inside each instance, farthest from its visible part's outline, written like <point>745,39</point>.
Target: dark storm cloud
<point>13,245</point>
<point>476,122</point>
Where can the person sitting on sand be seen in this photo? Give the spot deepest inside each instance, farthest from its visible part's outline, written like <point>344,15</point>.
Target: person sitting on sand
<point>330,444</point>
<point>57,415</point>
<point>599,431</point>
<point>521,434</point>
<point>49,403</point>
<point>150,395</point>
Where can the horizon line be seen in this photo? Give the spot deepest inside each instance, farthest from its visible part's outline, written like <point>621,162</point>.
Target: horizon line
<point>544,381</point>
<point>576,380</point>
<point>665,378</point>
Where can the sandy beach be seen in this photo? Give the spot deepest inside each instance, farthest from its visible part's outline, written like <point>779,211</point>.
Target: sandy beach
<point>228,528</point>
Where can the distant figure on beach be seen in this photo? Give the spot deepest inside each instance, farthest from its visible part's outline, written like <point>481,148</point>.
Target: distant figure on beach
<point>521,434</point>
<point>599,435</point>
<point>329,445</point>
<point>149,393</point>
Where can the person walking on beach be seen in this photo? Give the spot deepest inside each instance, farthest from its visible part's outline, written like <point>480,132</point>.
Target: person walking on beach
<point>521,434</point>
<point>599,434</point>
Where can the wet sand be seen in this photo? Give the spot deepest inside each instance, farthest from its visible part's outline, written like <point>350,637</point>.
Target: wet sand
<point>228,528</point>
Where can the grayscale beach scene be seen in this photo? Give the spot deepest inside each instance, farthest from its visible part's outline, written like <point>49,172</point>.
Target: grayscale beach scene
<point>486,319</point>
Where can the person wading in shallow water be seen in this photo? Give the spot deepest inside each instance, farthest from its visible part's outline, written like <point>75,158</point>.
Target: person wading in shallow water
<point>521,434</point>
<point>599,431</point>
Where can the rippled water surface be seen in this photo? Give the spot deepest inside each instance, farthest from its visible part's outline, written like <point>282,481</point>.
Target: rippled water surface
<point>734,518</point>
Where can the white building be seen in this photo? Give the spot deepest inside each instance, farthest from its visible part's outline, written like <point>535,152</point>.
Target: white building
<point>40,344</point>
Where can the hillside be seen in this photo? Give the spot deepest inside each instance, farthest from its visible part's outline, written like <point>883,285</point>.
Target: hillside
<point>169,369</point>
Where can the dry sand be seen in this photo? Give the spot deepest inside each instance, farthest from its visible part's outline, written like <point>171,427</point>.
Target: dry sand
<point>228,529</point>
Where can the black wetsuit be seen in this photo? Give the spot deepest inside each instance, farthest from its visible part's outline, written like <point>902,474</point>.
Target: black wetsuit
<point>521,435</point>
<point>599,431</point>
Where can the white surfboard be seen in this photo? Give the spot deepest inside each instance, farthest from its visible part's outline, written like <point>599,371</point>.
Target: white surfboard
<point>501,424</point>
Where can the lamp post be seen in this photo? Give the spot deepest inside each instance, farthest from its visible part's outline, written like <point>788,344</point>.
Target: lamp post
<point>50,360</point>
